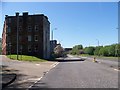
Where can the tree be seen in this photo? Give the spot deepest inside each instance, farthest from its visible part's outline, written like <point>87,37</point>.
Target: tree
<point>104,51</point>
<point>58,51</point>
<point>89,50</point>
<point>96,52</point>
<point>117,50</point>
<point>76,49</point>
<point>111,50</point>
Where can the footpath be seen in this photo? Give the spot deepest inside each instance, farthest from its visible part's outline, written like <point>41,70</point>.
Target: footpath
<point>22,74</point>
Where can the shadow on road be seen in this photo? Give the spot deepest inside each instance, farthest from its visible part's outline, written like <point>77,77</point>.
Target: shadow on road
<point>10,77</point>
<point>68,60</point>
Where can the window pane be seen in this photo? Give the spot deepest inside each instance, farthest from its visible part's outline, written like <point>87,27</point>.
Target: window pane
<point>29,48</point>
<point>29,38</point>
<point>36,27</point>
<point>9,29</point>
<point>29,29</point>
<point>36,37</point>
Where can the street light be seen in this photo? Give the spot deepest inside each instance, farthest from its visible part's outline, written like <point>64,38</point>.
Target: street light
<point>52,39</point>
<point>17,14</point>
<point>52,33</point>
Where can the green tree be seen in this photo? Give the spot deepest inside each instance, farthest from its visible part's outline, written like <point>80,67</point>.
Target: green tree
<point>96,51</point>
<point>111,50</point>
<point>89,50</point>
<point>104,51</point>
<point>117,50</point>
<point>76,49</point>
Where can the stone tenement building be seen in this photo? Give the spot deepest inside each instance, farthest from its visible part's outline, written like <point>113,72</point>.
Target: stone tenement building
<point>33,33</point>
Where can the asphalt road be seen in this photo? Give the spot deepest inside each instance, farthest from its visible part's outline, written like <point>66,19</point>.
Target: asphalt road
<point>79,74</point>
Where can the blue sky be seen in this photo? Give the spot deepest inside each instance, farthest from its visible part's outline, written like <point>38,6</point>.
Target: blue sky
<point>76,23</point>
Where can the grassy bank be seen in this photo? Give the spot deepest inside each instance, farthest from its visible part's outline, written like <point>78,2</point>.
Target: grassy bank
<point>26,58</point>
<point>100,57</point>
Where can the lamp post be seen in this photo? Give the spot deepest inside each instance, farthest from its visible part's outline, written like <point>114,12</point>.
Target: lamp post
<point>17,34</point>
<point>10,49</point>
<point>52,39</point>
<point>52,33</point>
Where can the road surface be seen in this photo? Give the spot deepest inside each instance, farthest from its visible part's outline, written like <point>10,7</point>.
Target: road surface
<point>76,73</point>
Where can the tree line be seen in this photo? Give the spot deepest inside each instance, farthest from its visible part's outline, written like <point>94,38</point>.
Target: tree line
<point>108,50</point>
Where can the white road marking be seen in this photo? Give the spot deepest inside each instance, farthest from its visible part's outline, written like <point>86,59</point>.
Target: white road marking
<point>37,64</point>
<point>35,82</point>
<point>38,79</point>
<point>55,64</point>
<point>32,79</point>
<point>116,69</point>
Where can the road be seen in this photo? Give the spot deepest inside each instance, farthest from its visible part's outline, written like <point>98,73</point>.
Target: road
<point>76,73</point>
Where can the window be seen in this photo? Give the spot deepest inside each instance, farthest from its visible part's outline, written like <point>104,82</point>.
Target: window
<point>36,37</point>
<point>36,27</point>
<point>20,19</point>
<point>9,20</point>
<point>29,38</point>
<point>29,19</point>
<point>36,48</point>
<point>20,48</point>
<point>29,29</point>
<point>29,48</point>
<point>20,28</point>
<point>9,29</point>
<point>20,37</point>
<point>8,39</point>
<point>9,44</point>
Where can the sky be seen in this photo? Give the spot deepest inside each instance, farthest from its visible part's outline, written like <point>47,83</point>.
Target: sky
<point>77,23</point>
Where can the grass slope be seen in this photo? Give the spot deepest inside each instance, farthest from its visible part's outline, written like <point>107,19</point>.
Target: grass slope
<point>26,58</point>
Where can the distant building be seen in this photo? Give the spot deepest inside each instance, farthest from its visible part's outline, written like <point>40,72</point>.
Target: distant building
<point>33,35</point>
<point>53,44</point>
<point>67,50</point>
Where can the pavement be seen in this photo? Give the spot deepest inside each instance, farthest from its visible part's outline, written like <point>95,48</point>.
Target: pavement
<point>22,74</point>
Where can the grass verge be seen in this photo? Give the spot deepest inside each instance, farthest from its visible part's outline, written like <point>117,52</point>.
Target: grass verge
<point>100,57</point>
<point>26,58</point>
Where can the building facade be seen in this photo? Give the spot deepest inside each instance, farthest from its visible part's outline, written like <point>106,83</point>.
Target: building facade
<point>26,34</point>
<point>53,44</point>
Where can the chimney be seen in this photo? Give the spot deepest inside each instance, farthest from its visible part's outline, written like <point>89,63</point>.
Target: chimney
<point>6,15</point>
<point>17,13</point>
<point>25,13</point>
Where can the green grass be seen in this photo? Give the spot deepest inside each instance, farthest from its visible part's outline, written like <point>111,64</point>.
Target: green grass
<point>100,57</point>
<point>26,58</point>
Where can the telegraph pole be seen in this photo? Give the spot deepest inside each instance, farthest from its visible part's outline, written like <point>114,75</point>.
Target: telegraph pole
<point>17,14</point>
